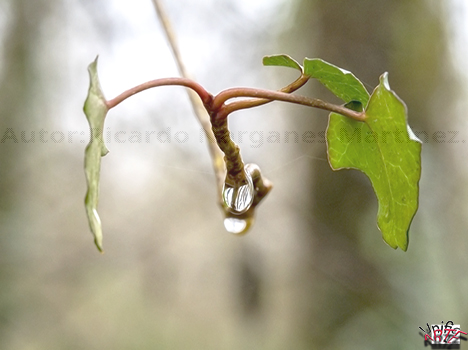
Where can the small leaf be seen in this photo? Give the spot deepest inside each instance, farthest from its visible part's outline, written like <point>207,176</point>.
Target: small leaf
<point>281,60</point>
<point>339,81</point>
<point>386,150</point>
<point>95,109</point>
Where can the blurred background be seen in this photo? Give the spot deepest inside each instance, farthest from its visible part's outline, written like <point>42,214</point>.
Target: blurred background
<point>314,272</point>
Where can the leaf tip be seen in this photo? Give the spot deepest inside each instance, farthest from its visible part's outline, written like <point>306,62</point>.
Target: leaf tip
<point>396,239</point>
<point>93,65</point>
<point>404,246</point>
<point>99,246</point>
<point>93,216</point>
<point>395,245</point>
<point>384,81</point>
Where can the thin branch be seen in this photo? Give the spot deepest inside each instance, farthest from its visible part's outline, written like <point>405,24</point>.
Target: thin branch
<point>295,85</point>
<point>217,103</point>
<point>204,95</point>
<point>225,110</point>
<point>198,108</point>
<point>166,24</point>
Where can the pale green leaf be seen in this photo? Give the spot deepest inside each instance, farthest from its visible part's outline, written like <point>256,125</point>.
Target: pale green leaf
<point>95,109</point>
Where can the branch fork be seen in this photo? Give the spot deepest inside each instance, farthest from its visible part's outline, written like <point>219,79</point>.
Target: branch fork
<point>218,109</point>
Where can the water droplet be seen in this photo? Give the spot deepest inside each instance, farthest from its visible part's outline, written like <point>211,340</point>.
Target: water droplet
<point>234,225</point>
<point>239,199</point>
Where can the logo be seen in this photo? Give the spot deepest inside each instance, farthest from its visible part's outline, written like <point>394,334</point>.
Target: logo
<point>443,336</point>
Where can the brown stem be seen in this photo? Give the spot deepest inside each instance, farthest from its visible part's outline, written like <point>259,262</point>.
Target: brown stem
<point>223,96</point>
<point>233,159</point>
<point>205,96</point>
<point>234,165</point>
<point>295,85</point>
<point>219,110</point>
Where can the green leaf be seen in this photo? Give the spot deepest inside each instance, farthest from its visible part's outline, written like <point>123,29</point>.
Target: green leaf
<point>383,147</point>
<point>387,151</point>
<point>95,109</point>
<point>339,81</point>
<point>281,60</point>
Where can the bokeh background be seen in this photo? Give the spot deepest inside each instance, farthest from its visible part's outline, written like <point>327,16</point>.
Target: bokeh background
<point>314,272</point>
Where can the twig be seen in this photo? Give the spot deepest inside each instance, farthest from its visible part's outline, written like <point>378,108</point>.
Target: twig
<point>223,96</point>
<point>196,88</point>
<point>198,108</point>
<point>295,85</point>
<point>216,105</point>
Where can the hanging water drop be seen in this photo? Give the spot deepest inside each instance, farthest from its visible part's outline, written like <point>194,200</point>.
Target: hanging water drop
<point>235,226</point>
<point>238,199</point>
